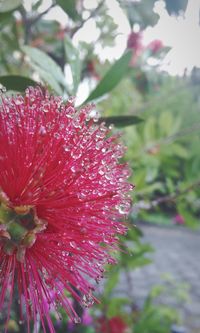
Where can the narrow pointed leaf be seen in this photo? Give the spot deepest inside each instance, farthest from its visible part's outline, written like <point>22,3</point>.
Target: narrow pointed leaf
<point>121,121</point>
<point>69,6</point>
<point>49,79</point>
<point>8,5</point>
<point>45,62</point>
<point>16,82</point>
<point>73,59</point>
<point>112,77</point>
<point>176,7</point>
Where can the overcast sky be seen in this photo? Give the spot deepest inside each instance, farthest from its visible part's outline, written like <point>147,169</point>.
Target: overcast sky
<point>182,34</point>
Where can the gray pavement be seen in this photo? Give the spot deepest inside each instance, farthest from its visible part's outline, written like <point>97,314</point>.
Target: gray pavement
<point>177,257</point>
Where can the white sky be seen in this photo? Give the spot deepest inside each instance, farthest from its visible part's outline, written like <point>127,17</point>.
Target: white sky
<point>182,34</point>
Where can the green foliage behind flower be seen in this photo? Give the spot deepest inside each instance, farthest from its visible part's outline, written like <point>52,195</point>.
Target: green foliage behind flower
<point>163,148</point>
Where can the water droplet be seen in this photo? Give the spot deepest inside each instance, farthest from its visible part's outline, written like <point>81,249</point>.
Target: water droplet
<point>108,176</point>
<point>66,148</point>
<point>92,176</point>
<point>42,130</point>
<point>87,300</point>
<point>19,100</point>
<point>73,244</point>
<point>101,172</point>
<point>123,208</point>
<point>77,320</point>
<point>96,116</point>
<point>77,123</point>
<point>2,89</point>
<point>76,154</point>
<point>98,279</point>
<point>56,135</point>
<point>99,145</point>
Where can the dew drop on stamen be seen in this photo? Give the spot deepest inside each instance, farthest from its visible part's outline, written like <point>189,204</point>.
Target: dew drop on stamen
<point>73,244</point>
<point>56,135</point>
<point>19,101</point>
<point>123,208</point>
<point>87,301</point>
<point>101,172</point>
<point>42,130</point>
<point>66,148</point>
<point>2,90</point>
<point>77,320</point>
<point>76,154</point>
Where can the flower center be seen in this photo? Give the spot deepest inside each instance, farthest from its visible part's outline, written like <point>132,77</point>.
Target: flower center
<point>18,229</point>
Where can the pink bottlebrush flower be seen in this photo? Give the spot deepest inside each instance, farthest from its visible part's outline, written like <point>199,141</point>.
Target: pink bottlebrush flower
<point>179,219</point>
<point>63,193</point>
<point>113,325</point>
<point>90,67</point>
<point>134,43</point>
<point>155,46</point>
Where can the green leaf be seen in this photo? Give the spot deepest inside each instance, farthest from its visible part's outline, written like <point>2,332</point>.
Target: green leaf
<point>69,6</point>
<point>176,6</point>
<point>87,329</point>
<point>49,79</point>
<point>180,151</point>
<point>8,5</point>
<point>111,282</point>
<point>112,77</point>
<point>165,123</point>
<point>73,58</point>
<point>133,234</point>
<point>45,62</point>
<point>16,82</point>
<point>36,5</point>
<point>141,12</point>
<point>150,132</point>
<point>5,18</point>
<point>115,305</point>
<point>121,121</point>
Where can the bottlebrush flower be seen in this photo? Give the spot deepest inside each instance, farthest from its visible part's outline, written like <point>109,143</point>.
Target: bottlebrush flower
<point>179,219</point>
<point>63,193</point>
<point>155,46</point>
<point>134,43</point>
<point>113,325</point>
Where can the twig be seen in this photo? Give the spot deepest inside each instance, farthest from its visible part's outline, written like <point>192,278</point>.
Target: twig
<point>168,198</point>
<point>39,16</point>
<point>159,98</point>
<point>29,22</point>
<point>80,25</point>
<point>171,138</point>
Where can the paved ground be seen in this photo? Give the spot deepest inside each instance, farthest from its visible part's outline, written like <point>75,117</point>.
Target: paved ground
<point>177,252</point>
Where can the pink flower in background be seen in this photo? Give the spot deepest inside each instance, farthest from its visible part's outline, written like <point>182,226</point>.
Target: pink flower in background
<point>90,67</point>
<point>134,43</point>
<point>155,46</point>
<point>63,194</point>
<point>179,219</point>
<point>113,325</point>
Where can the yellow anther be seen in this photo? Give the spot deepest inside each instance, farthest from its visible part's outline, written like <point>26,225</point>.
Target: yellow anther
<point>22,210</point>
